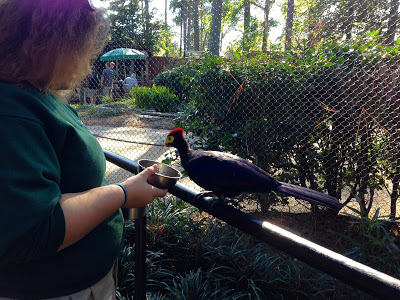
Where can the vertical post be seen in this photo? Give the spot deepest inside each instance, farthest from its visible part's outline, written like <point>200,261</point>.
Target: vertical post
<point>142,75</point>
<point>139,215</point>
<point>147,72</point>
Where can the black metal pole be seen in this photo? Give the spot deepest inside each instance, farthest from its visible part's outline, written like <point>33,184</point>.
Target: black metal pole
<point>349,271</point>
<point>139,215</point>
<point>140,258</point>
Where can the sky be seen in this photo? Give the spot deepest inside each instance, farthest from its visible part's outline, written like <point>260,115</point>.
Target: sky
<point>160,5</point>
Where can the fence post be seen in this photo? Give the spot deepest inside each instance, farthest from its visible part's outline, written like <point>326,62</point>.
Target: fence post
<point>139,215</point>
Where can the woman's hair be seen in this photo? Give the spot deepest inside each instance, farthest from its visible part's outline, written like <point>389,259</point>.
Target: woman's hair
<point>49,43</point>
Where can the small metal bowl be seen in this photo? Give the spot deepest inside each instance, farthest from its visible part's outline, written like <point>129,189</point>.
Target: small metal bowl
<point>165,177</point>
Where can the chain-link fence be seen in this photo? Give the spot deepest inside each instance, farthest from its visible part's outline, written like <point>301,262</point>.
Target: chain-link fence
<point>324,114</point>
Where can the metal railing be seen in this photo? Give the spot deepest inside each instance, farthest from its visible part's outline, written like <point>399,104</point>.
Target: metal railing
<point>347,270</point>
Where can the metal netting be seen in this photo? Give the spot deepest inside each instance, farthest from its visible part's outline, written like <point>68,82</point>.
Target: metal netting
<point>324,114</point>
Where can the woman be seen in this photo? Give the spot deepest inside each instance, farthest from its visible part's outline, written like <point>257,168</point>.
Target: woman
<point>60,223</point>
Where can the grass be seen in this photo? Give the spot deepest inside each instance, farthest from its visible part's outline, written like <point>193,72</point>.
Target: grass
<point>194,256</point>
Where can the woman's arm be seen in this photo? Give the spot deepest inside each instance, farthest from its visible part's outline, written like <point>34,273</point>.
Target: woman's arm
<point>85,211</point>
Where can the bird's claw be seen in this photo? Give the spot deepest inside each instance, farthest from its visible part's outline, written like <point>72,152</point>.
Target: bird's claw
<point>216,199</point>
<point>204,194</point>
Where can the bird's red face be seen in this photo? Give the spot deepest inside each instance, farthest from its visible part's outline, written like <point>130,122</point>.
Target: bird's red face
<point>176,133</point>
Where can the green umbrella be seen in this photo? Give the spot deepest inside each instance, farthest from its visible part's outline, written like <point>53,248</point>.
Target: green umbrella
<point>123,53</point>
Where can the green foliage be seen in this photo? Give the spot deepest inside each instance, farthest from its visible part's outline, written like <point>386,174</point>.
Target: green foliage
<point>106,100</point>
<point>193,256</point>
<point>174,81</point>
<point>166,46</point>
<point>297,114</point>
<point>375,246</point>
<point>132,26</point>
<point>156,97</point>
<point>109,108</point>
<point>108,112</point>
<point>345,20</point>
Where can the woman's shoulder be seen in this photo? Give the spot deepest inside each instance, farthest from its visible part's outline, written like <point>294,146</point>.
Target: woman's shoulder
<point>23,101</point>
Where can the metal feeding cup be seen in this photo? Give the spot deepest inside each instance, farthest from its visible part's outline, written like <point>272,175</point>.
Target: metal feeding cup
<point>165,177</point>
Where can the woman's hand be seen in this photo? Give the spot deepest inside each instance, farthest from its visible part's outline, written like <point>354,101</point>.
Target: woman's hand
<point>139,192</point>
<point>86,210</point>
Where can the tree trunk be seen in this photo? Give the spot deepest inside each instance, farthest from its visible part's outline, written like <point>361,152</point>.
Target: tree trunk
<point>289,25</point>
<point>349,20</point>
<point>166,26</point>
<point>246,25</point>
<point>166,13</point>
<point>266,27</point>
<point>196,30</point>
<point>184,20</point>
<point>392,22</point>
<point>215,34</point>
<point>181,37</point>
<point>189,25</point>
<point>146,16</point>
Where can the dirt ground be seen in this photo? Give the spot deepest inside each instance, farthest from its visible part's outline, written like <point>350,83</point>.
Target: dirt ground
<point>149,119</point>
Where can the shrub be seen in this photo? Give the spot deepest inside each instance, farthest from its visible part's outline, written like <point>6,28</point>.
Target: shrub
<point>176,80</point>
<point>106,100</point>
<point>375,245</point>
<point>156,97</point>
<point>316,117</point>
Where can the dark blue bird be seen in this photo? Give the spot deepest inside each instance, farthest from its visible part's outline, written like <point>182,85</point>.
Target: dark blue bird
<point>229,175</point>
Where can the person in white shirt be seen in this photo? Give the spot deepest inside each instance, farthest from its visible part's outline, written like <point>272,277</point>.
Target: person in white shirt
<point>130,82</point>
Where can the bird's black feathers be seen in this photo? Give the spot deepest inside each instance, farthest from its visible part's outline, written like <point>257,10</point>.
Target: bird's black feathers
<point>230,175</point>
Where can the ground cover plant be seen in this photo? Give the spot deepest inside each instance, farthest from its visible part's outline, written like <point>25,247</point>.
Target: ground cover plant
<point>194,256</point>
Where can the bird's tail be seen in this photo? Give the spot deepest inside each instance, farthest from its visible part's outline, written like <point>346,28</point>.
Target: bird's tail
<point>309,195</point>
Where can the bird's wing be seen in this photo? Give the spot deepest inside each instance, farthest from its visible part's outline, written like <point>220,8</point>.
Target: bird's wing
<point>208,171</point>
<point>249,177</point>
<point>225,173</point>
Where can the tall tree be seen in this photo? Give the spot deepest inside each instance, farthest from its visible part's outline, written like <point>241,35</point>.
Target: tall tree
<point>349,21</point>
<point>184,22</point>
<point>126,17</point>
<point>267,7</point>
<point>289,25</point>
<point>392,22</point>
<point>189,25</point>
<point>200,21</point>
<point>166,28</point>
<point>314,13</point>
<point>246,24</point>
<point>166,13</point>
<point>232,14</point>
<point>146,11</point>
<point>196,28</point>
<point>349,18</point>
<point>215,32</point>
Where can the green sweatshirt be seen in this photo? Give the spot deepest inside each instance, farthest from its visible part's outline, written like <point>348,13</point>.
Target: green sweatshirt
<point>46,151</point>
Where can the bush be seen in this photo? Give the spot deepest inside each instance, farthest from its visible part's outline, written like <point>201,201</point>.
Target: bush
<point>106,100</point>
<point>317,117</point>
<point>156,97</point>
<point>175,81</point>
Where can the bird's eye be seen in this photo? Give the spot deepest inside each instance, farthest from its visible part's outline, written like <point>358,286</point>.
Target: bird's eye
<point>170,139</point>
